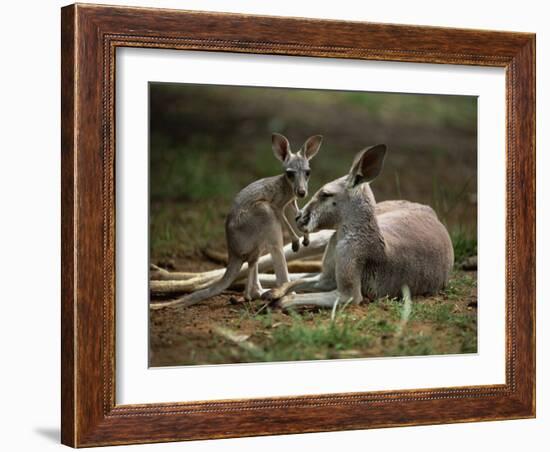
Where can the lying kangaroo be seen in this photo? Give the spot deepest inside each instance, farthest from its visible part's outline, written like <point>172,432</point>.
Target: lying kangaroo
<point>377,248</point>
<point>254,224</point>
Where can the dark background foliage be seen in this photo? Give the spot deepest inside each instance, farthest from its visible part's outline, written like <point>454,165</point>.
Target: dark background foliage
<point>208,142</point>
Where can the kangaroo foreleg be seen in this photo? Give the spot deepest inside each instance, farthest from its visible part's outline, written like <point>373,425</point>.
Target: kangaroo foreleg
<point>294,237</point>
<point>290,212</point>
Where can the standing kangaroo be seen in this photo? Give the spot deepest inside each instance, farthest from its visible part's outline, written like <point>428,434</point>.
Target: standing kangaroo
<point>256,220</point>
<point>376,249</point>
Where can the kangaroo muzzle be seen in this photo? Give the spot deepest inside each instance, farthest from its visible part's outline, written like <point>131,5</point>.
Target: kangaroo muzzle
<point>302,220</point>
<point>300,184</point>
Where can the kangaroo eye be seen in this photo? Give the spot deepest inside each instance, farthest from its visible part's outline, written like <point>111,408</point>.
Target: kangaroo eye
<point>325,195</point>
<point>290,173</point>
<point>308,173</point>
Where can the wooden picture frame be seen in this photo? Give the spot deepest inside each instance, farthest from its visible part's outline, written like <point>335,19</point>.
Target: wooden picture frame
<point>90,36</point>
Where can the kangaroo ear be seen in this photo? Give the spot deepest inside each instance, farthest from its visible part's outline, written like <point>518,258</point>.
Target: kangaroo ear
<point>311,146</point>
<point>367,165</point>
<point>280,146</point>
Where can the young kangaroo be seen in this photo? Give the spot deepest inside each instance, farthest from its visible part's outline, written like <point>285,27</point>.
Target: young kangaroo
<point>377,248</point>
<point>255,223</point>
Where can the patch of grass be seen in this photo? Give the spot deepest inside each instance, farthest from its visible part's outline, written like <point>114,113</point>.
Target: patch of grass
<point>434,327</point>
<point>162,238</point>
<point>176,231</point>
<point>189,174</point>
<point>415,344</point>
<point>460,285</point>
<point>464,244</point>
<point>321,339</point>
<point>446,199</point>
<point>440,315</point>
<point>437,325</point>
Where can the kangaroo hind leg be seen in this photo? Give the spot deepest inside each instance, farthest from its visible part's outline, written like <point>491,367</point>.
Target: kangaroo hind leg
<point>253,289</point>
<point>279,265</point>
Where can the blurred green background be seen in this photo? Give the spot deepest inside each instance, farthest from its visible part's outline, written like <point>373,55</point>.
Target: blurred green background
<point>208,142</point>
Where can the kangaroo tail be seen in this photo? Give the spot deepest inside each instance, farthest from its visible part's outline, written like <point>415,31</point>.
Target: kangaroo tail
<point>232,271</point>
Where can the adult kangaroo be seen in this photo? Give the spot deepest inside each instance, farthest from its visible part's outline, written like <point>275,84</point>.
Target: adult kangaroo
<point>377,249</point>
<point>256,220</point>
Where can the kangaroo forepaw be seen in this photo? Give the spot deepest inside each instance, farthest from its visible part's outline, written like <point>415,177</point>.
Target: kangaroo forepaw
<point>268,296</point>
<point>275,304</point>
<point>295,245</point>
<point>305,240</point>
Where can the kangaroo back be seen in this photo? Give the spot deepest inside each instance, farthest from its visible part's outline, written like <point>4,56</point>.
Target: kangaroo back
<point>418,251</point>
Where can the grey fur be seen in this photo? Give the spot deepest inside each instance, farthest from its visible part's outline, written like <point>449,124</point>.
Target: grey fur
<point>377,248</point>
<point>256,220</point>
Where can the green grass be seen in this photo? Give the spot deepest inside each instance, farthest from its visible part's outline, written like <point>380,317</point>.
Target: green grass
<point>189,174</point>
<point>433,327</point>
<point>311,336</point>
<point>464,244</point>
<point>183,232</point>
<point>460,284</point>
<point>323,336</point>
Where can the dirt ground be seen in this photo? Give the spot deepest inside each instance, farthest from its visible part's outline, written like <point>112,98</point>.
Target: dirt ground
<point>226,329</point>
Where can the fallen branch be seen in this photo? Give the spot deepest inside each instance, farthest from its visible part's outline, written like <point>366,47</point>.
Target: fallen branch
<point>164,282</point>
<point>172,287</point>
<point>298,266</point>
<point>159,274</point>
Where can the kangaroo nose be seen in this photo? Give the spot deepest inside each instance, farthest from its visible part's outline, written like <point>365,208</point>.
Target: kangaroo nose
<point>302,219</point>
<point>301,192</point>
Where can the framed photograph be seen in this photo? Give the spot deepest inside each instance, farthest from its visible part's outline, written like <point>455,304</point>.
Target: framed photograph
<point>282,225</point>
